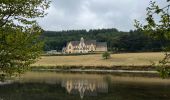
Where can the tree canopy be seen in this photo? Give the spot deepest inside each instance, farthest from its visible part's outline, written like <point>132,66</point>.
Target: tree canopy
<point>20,43</point>
<point>159,30</point>
<point>117,41</point>
<point>21,12</point>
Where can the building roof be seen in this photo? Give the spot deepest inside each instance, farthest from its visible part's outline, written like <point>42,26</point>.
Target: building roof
<point>75,43</point>
<point>89,42</point>
<point>101,44</point>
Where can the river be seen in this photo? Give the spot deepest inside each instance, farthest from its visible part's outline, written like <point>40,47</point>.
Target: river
<point>86,86</point>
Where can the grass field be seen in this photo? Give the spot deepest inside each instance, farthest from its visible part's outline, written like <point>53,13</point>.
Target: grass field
<point>123,59</point>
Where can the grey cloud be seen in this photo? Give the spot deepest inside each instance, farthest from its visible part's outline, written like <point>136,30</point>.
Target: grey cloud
<point>90,14</point>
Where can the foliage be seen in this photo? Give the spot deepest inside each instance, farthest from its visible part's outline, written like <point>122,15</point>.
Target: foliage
<point>19,34</point>
<point>117,41</point>
<point>19,13</point>
<point>56,40</point>
<point>106,55</point>
<point>18,50</point>
<point>159,30</point>
<point>137,41</point>
<point>163,68</point>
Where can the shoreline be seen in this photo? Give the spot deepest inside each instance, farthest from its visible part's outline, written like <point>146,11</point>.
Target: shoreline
<point>105,69</point>
<point>114,67</point>
<point>96,70</point>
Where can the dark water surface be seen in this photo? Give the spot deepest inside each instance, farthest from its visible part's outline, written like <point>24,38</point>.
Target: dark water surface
<point>91,86</point>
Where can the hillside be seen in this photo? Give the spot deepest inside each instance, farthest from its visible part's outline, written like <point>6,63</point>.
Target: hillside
<point>133,41</point>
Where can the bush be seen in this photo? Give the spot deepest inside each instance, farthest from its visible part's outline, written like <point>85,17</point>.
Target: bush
<point>106,55</point>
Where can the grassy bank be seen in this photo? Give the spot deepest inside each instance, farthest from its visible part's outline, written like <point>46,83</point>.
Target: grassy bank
<point>123,59</point>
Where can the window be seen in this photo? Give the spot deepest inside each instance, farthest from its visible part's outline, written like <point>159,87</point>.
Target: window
<point>69,47</point>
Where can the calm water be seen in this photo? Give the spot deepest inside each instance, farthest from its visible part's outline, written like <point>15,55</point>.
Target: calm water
<point>78,86</point>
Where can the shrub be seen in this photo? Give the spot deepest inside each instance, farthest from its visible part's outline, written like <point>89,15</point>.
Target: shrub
<point>106,55</point>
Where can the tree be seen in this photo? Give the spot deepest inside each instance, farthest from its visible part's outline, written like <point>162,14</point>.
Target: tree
<point>159,30</point>
<point>21,12</point>
<point>20,34</point>
<point>106,55</point>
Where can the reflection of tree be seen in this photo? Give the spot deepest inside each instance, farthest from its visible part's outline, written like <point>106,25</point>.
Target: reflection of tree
<point>85,87</point>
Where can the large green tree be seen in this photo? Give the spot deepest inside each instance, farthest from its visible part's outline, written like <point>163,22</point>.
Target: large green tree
<point>158,27</point>
<point>21,12</point>
<point>20,44</point>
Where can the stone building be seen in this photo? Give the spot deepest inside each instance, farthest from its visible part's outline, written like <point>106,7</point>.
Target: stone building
<point>85,46</point>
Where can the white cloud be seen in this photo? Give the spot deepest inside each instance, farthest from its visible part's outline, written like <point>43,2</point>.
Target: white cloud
<point>90,14</point>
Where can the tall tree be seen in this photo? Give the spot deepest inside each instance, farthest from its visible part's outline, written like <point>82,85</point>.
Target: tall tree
<point>19,34</point>
<point>159,30</point>
<point>21,12</point>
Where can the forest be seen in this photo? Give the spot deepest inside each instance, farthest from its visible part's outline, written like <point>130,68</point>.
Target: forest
<point>117,41</point>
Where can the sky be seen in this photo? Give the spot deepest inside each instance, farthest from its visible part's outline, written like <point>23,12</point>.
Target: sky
<point>94,14</point>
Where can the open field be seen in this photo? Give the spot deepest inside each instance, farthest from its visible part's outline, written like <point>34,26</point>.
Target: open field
<point>123,59</point>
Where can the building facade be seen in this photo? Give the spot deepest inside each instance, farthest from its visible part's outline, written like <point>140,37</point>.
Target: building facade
<point>84,46</point>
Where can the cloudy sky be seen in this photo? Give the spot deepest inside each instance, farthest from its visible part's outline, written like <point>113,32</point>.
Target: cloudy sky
<point>94,14</point>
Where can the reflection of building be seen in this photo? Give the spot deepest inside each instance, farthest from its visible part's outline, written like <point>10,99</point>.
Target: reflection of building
<point>84,46</point>
<point>85,87</point>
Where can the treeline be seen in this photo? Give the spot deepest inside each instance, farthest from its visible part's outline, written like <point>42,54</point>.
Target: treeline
<point>118,41</point>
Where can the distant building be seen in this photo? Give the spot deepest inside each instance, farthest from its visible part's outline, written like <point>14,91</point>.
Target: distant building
<point>52,52</point>
<point>85,46</point>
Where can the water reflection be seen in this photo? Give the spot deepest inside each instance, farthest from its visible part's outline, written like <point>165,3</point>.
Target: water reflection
<point>6,82</point>
<point>76,86</point>
<point>85,87</point>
